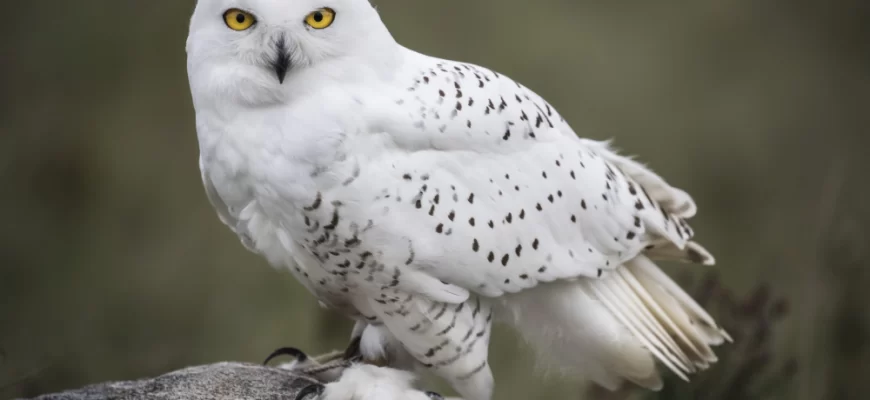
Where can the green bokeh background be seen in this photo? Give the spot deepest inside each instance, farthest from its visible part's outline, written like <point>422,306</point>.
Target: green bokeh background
<point>114,266</point>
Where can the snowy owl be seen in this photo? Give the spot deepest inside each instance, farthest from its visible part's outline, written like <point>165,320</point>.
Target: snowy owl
<point>427,198</point>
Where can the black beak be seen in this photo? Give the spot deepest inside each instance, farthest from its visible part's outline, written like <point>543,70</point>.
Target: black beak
<point>281,63</point>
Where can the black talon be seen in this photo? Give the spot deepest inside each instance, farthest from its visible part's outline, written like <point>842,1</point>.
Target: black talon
<point>434,396</point>
<point>353,352</point>
<point>287,351</point>
<point>313,389</point>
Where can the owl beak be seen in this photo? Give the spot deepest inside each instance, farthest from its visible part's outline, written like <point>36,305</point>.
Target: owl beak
<point>281,62</point>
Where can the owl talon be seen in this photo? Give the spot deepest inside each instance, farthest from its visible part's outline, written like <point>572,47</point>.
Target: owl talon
<point>300,356</point>
<point>312,391</point>
<point>353,352</point>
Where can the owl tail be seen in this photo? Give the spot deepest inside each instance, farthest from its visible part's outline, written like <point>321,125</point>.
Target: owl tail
<point>614,328</point>
<point>661,315</point>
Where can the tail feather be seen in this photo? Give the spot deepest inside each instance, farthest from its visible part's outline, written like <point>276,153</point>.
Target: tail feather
<point>669,323</point>
<point>686,345</point>
<point>643,267</point>
<point>618,307</point>
<point>659,319</point>
<point>611,328</point>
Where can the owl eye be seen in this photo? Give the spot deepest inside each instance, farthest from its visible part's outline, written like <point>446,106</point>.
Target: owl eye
<point>321,18</point>
<point>239,20</point>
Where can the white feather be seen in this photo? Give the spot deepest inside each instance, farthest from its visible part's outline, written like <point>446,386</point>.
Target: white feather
<point>368,382</point>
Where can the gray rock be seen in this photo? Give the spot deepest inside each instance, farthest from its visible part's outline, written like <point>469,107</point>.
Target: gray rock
<point>222,381</point>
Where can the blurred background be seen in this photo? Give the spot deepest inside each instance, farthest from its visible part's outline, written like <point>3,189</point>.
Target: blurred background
<point>114,266</point>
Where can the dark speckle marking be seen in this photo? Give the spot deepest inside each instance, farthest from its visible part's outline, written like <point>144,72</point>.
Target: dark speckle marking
<point>491,224</point>
<point>439,228</point>
<point>539,207</point>
<point>504,260</point>
<point>638,205</point>
<point>519,250</point>
<point>574,219</point>
<point>630,235</point>
<point>471,199</point>
<point>317,203</point>
<point>542,269</point>
<point>583,204</point>
<point>441,312</point>
<point>535,244</point>
<point>475,245</point>
<point>550,198</point>
<point>334,223</point>
<point>452,215</point>
<point>523,214</point>
<point>490,257</point>
<point>471,221</point>
<point>406,177</point>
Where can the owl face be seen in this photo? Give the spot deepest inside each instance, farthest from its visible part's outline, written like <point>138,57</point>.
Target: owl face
<point>252,48</point>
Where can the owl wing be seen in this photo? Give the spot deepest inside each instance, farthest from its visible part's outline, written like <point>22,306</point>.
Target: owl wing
<point>498,223</point>
<point>478,182</point>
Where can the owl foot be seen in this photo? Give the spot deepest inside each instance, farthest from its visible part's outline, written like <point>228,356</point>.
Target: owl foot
<point>346,370</point>
<point>325,368</point>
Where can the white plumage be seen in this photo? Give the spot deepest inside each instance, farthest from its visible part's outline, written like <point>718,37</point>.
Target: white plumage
<point>367,382</point>
<point>425,197</point>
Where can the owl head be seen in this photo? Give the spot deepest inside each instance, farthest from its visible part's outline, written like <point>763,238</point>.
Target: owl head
<point>258,51</point>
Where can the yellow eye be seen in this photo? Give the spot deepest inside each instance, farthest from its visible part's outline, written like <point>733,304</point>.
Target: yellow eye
<point>321,18</point>
<point>239,20</point>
